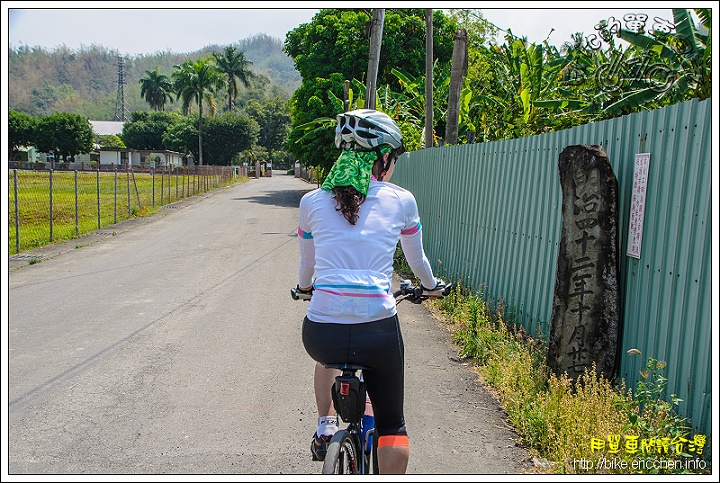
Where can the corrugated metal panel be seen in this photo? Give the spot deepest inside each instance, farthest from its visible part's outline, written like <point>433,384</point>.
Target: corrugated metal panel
<point>491,215</point>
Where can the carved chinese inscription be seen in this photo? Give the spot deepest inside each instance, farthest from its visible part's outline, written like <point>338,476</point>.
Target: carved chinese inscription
<point>585,319</point>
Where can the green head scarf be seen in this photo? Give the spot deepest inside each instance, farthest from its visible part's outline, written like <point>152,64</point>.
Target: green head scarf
<point>353,168</point>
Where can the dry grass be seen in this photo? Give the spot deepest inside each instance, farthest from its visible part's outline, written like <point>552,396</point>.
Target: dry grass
<point>580,427</point>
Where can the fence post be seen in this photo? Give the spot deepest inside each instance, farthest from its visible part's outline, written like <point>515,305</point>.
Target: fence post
<point>167,168</point>
<point>51,205</point>
<point>97,183</point>
<point>137,193</point>
<point>127,173</point>
<point>115,197</point>
<point>17,214</point>
<point>77,209</point>
<point>152,178</point>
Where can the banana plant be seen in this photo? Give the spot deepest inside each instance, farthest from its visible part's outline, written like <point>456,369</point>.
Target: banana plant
<point>516,76</point>
<point>674,66</point>
<point>412,101</point>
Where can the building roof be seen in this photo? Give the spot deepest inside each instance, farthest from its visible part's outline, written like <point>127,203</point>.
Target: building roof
<point>107,127</point>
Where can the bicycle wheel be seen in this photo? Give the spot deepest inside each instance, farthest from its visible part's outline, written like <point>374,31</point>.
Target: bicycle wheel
<point>342,457</point>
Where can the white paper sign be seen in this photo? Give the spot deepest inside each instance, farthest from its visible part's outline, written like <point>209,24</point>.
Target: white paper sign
<point>637,204</point>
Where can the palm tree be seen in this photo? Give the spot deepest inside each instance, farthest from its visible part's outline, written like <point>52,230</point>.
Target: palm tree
<point>156,89</point>
<point>233,64</point>
<point>193,82</point>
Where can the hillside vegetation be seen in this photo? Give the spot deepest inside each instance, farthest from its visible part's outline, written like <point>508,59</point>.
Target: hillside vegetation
<point>85,81</point>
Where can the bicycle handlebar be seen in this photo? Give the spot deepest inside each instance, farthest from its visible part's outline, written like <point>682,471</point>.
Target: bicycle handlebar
<point>414,294</point>
<point>298,294</point>
<point>417,294</point>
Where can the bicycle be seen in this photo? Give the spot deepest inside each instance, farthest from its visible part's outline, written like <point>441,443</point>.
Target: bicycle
<point>353,450</point>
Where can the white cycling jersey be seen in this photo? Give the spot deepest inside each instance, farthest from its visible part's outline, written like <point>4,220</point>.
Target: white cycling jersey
<point>353,264</point>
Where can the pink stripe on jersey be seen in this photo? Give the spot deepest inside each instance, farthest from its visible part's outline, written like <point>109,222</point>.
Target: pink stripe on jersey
<point>411,231</point>
<point>353,294</point>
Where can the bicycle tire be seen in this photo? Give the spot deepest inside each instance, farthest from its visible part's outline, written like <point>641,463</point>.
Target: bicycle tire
<point>342,455</point>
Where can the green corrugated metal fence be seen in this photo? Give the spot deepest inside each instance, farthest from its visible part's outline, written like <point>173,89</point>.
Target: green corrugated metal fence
<point>491,214</point>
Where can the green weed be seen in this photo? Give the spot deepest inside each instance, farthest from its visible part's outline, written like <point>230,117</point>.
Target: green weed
<point>582,427</point>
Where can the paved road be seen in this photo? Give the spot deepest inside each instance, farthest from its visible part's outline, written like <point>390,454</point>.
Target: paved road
<point>170,345</point>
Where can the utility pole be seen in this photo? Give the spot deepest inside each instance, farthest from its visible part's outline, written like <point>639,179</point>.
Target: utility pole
<point>376,33</point>
<point>346,96</point>
<point>457,75</point>
<point>429,60</point>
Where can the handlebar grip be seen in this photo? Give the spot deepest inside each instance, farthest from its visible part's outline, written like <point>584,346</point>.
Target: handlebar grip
<point>299,295</point>
<point>422,291</point>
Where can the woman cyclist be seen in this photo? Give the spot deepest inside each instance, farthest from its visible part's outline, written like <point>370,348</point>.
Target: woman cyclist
<point>348,231</point>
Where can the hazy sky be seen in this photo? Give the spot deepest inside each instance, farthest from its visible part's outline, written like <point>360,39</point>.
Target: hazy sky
<point>149,27</point>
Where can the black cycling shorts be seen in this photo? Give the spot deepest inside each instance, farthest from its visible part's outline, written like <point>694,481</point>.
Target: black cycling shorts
<point>377,345</point>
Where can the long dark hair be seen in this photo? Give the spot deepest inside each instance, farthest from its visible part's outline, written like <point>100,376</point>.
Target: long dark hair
<point>348,201</point>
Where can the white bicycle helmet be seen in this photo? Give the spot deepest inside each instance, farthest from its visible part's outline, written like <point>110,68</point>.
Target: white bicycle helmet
<point>368,129</point>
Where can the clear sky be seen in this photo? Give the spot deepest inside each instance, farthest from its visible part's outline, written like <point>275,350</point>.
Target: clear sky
<point>149,27</point>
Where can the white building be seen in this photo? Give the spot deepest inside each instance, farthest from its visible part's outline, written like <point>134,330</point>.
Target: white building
<point>132,158</point>
<point>111,158</point>
<point>122,158</point>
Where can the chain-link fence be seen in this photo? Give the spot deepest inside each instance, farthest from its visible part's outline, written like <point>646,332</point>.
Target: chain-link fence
<point>46,206</point>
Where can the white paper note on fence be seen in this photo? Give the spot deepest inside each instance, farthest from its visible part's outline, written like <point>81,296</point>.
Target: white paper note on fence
<point>637,204</point>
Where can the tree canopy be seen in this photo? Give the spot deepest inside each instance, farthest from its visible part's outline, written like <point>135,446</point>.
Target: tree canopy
<point>334,47</point>
<point>65,135</point>
<point>21,131</point>
<point>511,88</point>
<point>145,130</point>
<point>273,116</point>
<point>228,135</point>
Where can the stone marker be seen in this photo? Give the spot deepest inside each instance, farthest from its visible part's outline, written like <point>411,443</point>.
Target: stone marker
<point>586,305</point>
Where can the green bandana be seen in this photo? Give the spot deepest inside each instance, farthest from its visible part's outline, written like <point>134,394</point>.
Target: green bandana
<point>353,168</point>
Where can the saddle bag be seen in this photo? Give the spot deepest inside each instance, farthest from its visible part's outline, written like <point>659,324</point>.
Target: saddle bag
<point>348,394</point>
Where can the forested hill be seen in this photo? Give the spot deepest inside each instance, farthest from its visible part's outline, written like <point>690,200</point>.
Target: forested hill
<point>85,81</point>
